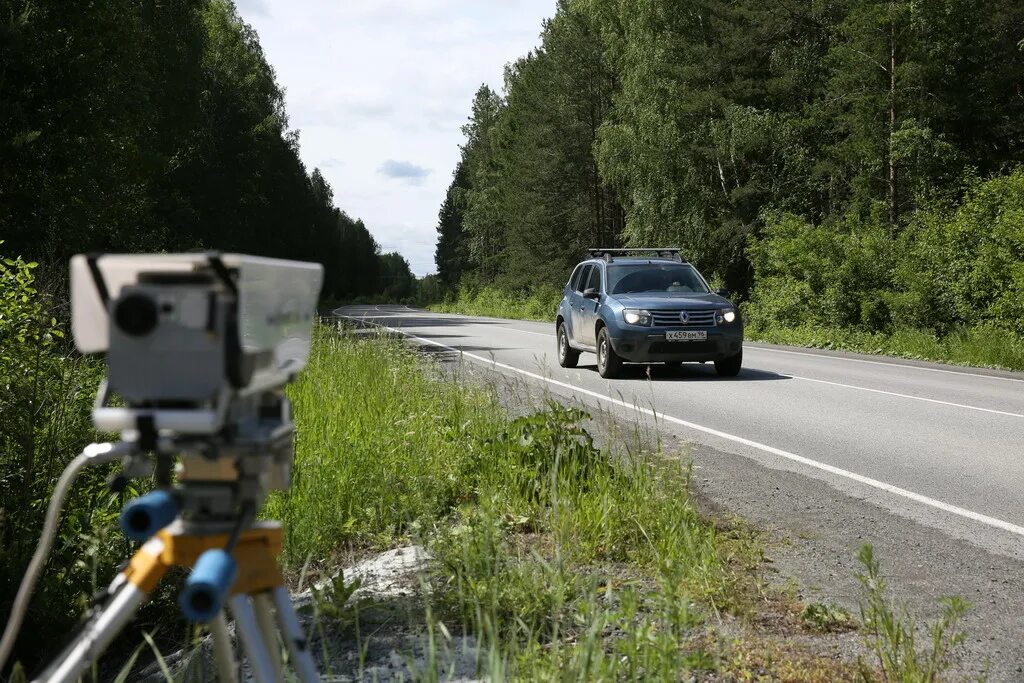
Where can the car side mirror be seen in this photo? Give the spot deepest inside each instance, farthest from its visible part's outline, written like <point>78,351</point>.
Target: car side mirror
<point>591,293</point>
<point>723,292</point>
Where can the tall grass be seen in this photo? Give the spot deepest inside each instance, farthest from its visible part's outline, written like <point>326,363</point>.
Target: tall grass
<point>539,303</point>
<point>981,346</point>
<point>381,448</point>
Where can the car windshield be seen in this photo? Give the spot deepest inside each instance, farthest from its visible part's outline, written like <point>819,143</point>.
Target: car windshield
<point>649,277</point>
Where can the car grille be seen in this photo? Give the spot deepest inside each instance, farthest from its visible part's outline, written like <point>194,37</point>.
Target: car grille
<point>670,318</point>
<point>682,347</point>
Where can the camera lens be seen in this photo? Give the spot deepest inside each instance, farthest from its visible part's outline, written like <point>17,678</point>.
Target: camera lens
<point>136,314</point>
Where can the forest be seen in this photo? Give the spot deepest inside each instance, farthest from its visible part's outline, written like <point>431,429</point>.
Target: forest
<point>848,165</point>
<point>160,126</point>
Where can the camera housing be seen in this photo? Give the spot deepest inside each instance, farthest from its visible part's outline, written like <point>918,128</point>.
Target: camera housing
<point>186,335</point>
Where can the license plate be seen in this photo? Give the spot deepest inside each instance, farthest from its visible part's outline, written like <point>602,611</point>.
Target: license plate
<point>687,335</point>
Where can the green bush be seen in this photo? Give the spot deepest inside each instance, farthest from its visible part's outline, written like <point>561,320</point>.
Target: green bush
<point>830,275</point>
<point>46,393</point>
<point>967,264</point>
<point>954,275</point>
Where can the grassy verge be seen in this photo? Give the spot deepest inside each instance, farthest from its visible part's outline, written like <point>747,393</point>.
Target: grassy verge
<point>562,560</point>
<point>543,546</point>
<point>983,346</point>
<point>538,304</point>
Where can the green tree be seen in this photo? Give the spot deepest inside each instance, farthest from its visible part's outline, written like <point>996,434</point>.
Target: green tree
<point>557,98</point>
<point>533,197</point>
<point>397,283</point>
<point>451,253</point>
<point>148,126</point>
<point>484,224</point>
<point>698,141</point>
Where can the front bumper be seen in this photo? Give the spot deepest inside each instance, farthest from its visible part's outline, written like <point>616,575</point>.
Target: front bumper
<point>649,345</point>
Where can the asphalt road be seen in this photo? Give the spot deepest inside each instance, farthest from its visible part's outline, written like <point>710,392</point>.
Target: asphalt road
<point>828,451</point>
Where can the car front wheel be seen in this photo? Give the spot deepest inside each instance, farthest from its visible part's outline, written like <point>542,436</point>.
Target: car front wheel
<point>608,362</point>
<point>729,367</point>
<point>567,356</point>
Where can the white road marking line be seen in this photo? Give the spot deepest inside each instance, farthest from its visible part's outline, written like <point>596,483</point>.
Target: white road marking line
<point>539,334</point>
<point>878,362</point>
<point>373,317</point>
<point>839,384</point>
<point>468,318</point>
<point>831,469</point>
<point>916,398</point>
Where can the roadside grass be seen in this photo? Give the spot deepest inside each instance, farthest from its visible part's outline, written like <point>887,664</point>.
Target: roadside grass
<point>983,346</point>
<point>563,561</point>
<point>537,304</point>
<point>891,634</point>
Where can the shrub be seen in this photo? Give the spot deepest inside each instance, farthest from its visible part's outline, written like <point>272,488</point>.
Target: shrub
<point>967,265</point>
<point>950,271</point>
<point>46,393</point>
<point>837,274</point>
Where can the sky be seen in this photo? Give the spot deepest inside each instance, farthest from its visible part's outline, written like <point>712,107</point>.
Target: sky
<point>379,89</point>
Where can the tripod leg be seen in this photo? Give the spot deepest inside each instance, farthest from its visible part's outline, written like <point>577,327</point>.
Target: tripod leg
<point>127,591</point>
<point>291,631</point>
<point>264,607</point>
<point>223,654</point>
<point>96,633</point>
<point>252,639</point>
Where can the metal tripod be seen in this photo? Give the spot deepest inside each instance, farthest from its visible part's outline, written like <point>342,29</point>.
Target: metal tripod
<point>259,603</point>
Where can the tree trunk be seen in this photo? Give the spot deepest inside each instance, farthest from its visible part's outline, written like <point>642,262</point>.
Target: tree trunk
<point>893,184</point>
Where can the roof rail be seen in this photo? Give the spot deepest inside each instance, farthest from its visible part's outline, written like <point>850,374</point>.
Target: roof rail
<point>609,254</point>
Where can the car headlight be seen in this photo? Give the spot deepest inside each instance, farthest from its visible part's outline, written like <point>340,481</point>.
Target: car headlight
<point>727,315</point>
<point>635,316</point>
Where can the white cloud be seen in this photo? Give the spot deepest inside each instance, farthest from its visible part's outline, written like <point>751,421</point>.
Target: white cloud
<point>403,170</point>
<point>374,83</point>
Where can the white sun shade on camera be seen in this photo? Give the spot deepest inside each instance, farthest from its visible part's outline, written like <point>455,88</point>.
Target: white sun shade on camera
<point>276,298</point>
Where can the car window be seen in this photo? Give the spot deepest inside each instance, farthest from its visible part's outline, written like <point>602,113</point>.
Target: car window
<point>652,277</point>
<point>584,277</point>
<point>575,274</point>
<point>594,282</point>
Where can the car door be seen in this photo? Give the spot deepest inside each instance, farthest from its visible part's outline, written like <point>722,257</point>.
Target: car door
<point>565,306</point>
<point>577,304</point>
<point>588,308</point>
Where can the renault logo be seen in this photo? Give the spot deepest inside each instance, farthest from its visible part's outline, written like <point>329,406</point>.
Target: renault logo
<point>684,316</point>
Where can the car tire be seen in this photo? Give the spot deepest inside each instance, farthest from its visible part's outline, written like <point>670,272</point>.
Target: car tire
<point>729,367</point>
<point>608,362</point>
<point>568,357</point>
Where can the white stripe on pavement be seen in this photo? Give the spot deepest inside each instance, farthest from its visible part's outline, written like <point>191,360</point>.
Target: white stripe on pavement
<point>916,398</point>
<point>749,345</point>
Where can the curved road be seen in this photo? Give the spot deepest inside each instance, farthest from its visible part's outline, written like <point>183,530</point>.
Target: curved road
<point>938,445</point>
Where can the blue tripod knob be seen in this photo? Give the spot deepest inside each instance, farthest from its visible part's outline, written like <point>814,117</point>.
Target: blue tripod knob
<point>207,586</point>
<point>148,514</point>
